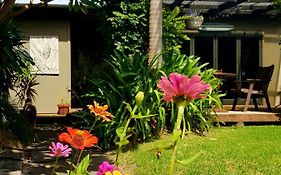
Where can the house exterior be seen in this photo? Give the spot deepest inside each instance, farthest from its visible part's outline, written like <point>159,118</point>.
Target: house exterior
<point>48,38</point>
<point>253,41</point>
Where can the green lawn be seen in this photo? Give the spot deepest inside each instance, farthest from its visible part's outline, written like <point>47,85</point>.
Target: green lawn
<point>250,150</point>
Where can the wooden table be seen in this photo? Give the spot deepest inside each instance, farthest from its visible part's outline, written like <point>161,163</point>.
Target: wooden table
<point>228,80</point>
<point>225,75</point>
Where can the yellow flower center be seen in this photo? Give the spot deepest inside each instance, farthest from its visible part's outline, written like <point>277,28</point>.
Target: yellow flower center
<point>79,132</point>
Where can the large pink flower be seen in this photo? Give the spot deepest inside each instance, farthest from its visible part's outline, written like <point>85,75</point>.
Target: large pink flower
<point>179,88</point>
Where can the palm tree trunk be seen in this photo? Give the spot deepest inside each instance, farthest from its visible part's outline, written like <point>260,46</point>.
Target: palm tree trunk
<point>155,30</point>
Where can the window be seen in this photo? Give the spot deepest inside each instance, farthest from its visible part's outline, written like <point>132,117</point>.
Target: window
<point>250,56</point>
<point>203,48</point>
<point>226,54</point>
<point>236,52</point>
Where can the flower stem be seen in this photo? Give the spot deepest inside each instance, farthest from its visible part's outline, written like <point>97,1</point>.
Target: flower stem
<point>92,127</point>
<point>72,162</point>
<point>55,165</point>
<point>79,157</point>
<point>176,138</point>
<point>179,117</point>
<point>173,158</point>
<point>119,149</point>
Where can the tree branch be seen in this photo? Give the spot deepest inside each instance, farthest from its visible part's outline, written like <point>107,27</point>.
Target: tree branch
<point>6,9</point>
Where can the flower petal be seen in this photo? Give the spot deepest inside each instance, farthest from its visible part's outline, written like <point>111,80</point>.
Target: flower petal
<point>91,141</point>
<point>72,131</point>
<point>175,79</point>
<point>65,137</point>
<point>181,86</point>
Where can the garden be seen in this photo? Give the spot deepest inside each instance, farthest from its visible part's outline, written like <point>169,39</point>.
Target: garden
<point>154,115</point>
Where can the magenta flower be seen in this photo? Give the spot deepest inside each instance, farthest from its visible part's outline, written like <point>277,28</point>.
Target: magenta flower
<point>106,167</point>
<point>179,88</point>
<point>59,150</point>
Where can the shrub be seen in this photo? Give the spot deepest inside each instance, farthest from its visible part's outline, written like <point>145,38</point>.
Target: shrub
<point>126,76</point>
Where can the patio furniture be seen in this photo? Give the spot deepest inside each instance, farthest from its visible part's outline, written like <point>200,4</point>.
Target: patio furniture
<point>227,79</point>
<point>255,88</point>
<point>224,75</point>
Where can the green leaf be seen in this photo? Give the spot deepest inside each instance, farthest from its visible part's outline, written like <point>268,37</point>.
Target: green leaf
<point>188,161</point>
<point>142,116</point>
<point>123,141</point>
<point>82,167</point>
<point>120,132</point>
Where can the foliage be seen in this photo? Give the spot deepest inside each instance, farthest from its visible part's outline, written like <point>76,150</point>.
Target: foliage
<point>13,57</point>
<point>13,60</point>
<point>85,5</point>
<point>124,27</point>
<point>173,26</point>
<point>277,4</point>
<point>127,73</point>
<point>130,75</point>
<point>127,24</point>
<point>199,112</point>
<point>24,86</point>
<point>126,76</point>
<point>13,122</point>
<point>83,69</point>
<point>123,128</point>
<point>82,167</point>
<point>130,29</point>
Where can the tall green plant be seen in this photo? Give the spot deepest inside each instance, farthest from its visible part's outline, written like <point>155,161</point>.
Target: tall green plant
<point>127,75</point>
<point>13,60</point>
<point>24,86</point>
<point>13,57</point>
<point>200,109</point>
<point>124,131</point>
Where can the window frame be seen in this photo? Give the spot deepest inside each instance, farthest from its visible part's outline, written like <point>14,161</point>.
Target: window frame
<point>216,35</point>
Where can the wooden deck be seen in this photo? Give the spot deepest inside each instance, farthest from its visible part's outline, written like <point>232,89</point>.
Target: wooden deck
<point>49,115</point>
<point>55,115</point>
<point>49,118</point>
<point>226,115</point>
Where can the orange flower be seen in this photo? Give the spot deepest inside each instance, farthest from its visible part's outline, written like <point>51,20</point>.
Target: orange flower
<point>100,111</point>
<point>79,139</point>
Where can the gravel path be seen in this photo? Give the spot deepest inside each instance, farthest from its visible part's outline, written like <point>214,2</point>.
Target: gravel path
<point>34,159</point>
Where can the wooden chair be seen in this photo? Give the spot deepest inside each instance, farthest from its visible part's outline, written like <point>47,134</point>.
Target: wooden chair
<point>256,88</point>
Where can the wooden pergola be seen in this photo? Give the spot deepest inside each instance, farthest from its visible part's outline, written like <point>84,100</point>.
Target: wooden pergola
<point>216,8</point>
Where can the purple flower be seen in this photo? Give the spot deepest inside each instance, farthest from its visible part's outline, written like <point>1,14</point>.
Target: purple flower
<point>59,150</point>
<point>105,167</point>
